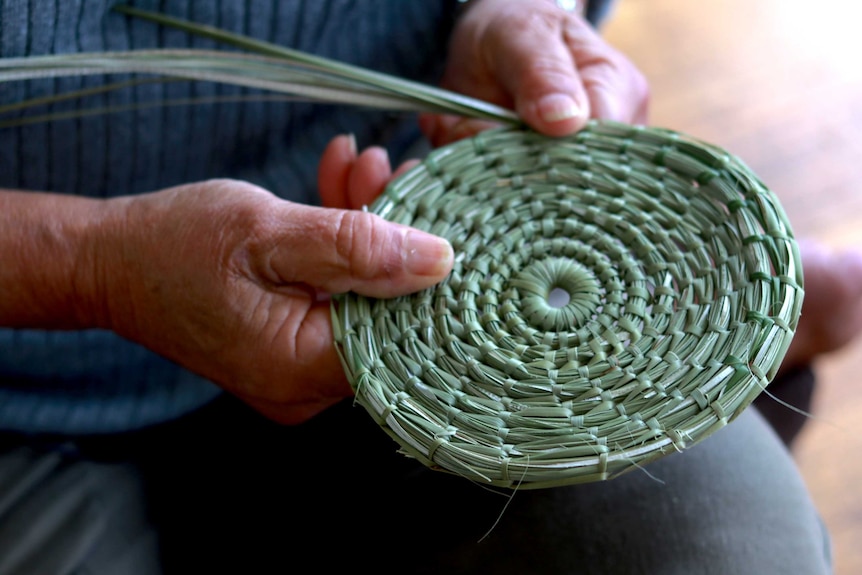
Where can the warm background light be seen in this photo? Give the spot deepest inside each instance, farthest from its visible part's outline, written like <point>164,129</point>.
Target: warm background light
<point>779,83</point>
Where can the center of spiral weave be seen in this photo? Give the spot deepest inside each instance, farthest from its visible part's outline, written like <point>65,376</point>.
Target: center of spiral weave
<point>539,278</point>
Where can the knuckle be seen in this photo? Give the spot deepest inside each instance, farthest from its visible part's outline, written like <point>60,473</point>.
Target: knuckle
<point>617,78</point>
<point>528,29</point>
<point>547,70</point>
<point>534,21</point>
<point>358,243</point>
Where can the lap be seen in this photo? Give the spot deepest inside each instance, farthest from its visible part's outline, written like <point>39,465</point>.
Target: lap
<point>225,489</point>
<point>60,514</point>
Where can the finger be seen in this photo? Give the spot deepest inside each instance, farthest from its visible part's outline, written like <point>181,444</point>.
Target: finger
<point>334,171</point>
<point>641,115</point>
<point>533,63</point>
<point>442,129</point>
<point>405,167</point>
<point>348,250</point>
<point>369,186</point>
<point>616,89</point>
<point>368,177</point>
<point>314,360</point>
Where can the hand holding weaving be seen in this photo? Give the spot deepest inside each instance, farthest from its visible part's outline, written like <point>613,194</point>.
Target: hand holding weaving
<point>231,282</point>
<point>547,64</point>
<point>683,277</point>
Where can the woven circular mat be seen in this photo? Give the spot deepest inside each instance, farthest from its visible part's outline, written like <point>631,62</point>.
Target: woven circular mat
<point>617,295</point>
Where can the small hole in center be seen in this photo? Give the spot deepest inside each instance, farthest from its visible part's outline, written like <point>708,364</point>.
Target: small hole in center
<point>558,297</point>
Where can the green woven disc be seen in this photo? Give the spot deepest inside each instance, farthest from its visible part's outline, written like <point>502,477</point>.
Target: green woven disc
<point>680,288</point>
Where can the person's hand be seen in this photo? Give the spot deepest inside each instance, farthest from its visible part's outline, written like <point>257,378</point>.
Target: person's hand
<point>231,282</point>
<point>547,64</point>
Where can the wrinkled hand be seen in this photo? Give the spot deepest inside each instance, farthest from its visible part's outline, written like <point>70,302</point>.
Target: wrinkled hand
<point>231,282</point>
<point>549,65</point>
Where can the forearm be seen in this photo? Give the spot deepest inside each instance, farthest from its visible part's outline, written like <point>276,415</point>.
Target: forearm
<point>49,243</point>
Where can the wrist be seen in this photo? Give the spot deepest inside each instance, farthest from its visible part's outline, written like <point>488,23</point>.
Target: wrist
<point>50,248</point>
<point>100,278</point>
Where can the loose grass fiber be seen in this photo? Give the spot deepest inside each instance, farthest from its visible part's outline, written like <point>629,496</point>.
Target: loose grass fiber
<point>684,289</point>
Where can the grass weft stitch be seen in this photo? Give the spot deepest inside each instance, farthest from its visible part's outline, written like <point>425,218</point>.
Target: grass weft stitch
<point>684,289</point>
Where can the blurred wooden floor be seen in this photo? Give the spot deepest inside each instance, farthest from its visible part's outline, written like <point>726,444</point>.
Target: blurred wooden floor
<point>780,85</point>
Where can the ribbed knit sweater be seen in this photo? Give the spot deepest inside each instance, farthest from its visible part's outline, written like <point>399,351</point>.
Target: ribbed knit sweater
<point>92,381</point>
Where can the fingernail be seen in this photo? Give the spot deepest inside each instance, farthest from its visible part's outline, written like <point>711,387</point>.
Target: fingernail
<point>427,254</point>
<point>558,107</point>
<point>351,141</point>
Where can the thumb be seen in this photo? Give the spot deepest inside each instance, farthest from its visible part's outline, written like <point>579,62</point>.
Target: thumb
<point>345,250</point>
<point>534,64</point>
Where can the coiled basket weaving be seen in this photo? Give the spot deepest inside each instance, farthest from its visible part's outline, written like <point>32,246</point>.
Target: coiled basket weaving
<point>683,286</point>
